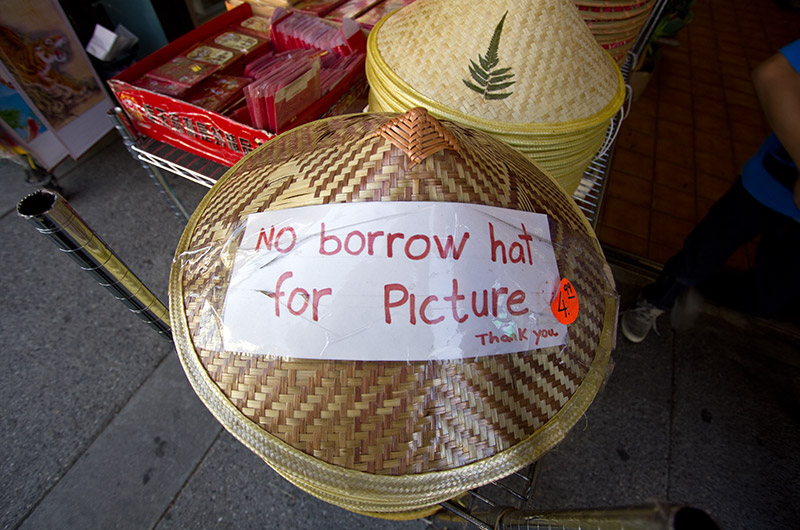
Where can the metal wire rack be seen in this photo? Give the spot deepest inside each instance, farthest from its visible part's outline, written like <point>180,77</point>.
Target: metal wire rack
<point>474,509</point>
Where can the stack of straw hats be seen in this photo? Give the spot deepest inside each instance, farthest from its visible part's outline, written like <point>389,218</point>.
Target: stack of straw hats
<point>528,72</point>
<point>615,23</point>
<point>388,438</point>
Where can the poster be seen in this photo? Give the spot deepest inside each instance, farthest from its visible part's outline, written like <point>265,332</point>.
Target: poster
<point>24,129</point>
<point>16,113</point>
<point>52,74</point>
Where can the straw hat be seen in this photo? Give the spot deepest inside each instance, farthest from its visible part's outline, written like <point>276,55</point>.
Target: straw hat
<point>615,23</point>
<point>389,438</point>
<point>529,72</point>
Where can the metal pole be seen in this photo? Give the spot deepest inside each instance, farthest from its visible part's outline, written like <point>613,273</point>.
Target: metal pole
<point>52,216</point>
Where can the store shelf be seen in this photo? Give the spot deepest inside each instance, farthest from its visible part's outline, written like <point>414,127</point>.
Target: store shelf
<point>185,165</point>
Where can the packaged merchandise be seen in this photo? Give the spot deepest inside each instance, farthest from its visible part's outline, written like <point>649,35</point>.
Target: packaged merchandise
<point>317,7</point>
<point>162,87</point>
<point>227,60</point>
<point>219,92</point>
<point>351,9</point>
<point>255,25</point>
<point>371,17</point>
<point>249,45</point>
<point>192,93</point>
<point>182,71</point>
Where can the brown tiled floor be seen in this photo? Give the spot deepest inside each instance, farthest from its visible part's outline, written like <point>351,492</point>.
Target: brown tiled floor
<point>691,129</point>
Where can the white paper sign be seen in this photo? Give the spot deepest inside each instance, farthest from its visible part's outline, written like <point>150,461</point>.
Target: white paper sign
<point>393,281</point>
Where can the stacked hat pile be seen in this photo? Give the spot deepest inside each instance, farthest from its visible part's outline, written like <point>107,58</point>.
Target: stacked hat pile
<point>528,72</point>
<point>615,23</point>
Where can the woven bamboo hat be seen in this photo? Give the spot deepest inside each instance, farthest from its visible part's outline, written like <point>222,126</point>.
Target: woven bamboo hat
<point>615,23</point>
<point>528,72</point>
<point>389,438</point>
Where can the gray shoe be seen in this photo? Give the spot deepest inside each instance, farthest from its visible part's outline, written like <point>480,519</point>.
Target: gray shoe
<point>637,322</point>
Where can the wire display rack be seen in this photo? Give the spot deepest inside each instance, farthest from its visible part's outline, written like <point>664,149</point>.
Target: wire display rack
<point>502,504</point>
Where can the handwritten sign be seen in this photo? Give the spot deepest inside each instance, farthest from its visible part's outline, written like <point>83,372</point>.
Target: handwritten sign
<point>393,281</point>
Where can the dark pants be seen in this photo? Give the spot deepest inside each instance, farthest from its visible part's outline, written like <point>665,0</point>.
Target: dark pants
<point>733,221</point>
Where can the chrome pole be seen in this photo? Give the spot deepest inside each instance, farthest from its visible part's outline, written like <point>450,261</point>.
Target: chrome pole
<point>52,216</point>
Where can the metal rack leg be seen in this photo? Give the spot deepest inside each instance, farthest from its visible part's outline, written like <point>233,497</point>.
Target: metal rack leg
<point>128,138</point>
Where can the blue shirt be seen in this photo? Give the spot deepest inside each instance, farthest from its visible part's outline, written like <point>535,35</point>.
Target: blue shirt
<point>768,173</point>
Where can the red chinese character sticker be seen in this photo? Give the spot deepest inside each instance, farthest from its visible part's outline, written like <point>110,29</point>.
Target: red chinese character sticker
<point>565,303</point>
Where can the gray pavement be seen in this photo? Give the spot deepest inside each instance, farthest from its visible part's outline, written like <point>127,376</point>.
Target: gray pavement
<point>100,428</point>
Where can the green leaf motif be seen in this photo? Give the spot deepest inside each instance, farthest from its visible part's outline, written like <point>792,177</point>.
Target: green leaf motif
<point>488,81</point>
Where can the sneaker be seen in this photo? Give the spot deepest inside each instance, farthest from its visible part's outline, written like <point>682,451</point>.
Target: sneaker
<point>637,322</point>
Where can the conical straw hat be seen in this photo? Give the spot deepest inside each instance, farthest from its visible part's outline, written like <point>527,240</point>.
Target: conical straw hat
<point>542,62</point>
<point>389,438</point>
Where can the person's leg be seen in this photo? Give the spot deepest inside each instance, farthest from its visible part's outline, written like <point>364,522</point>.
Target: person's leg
<point>731,222</point>
<point>776,276</point>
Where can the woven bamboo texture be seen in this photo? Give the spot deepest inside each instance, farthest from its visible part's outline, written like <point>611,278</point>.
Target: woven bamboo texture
<point>615,23</point>
<point>390,439</point>
<point>560,74</point>
<point>550,91</point>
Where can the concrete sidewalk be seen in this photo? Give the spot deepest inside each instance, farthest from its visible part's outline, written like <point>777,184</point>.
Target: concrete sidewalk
<point>102,430</point>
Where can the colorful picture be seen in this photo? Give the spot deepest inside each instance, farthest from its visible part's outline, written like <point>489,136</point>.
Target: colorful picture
<point>40,50</point>
<point>17,114</point>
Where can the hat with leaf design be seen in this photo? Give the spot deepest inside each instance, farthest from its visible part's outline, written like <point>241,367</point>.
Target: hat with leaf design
<point>529,72</point>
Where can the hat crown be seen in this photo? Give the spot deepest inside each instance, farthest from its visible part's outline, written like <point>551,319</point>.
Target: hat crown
<point>502,60</point>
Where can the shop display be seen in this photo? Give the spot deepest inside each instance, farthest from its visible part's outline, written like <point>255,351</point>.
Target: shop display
<point>189,94</point>
<point>484,283</point>
<point>530,73</point>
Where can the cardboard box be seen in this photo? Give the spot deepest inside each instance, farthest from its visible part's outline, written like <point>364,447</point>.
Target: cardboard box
<point>200,131</point>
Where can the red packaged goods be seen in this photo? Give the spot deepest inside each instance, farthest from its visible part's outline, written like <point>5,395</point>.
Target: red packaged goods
<point>352,9</point>
<point>258,26</point>
<point>287,85</point>
<point>183,71</point>
<point>292,95</point>
<point>317,7</point>
<point>227,132</point>
<point>297,30</point>
<point>241,42</point>
<point>335,68</point>
<point>162,87</point>
<point>218,92</point>
<point>376,13</point>
<point>291,86</point>
<point>223,58</point>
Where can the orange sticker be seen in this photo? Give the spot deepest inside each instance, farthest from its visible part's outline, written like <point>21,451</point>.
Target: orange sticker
<point>565,303</point>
